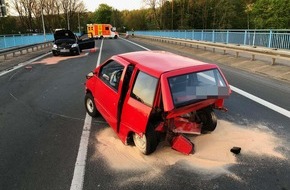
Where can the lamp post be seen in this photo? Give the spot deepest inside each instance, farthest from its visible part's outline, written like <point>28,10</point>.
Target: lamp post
<point>2,8</point>
<point>67,20</point>
<point>172,14</point>
<point>79,23</point>
<point>43,25</point>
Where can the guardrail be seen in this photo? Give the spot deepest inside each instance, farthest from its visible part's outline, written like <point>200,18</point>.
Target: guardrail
<point>269,38</point>
<point>23,50</point>
<point>237,49</point>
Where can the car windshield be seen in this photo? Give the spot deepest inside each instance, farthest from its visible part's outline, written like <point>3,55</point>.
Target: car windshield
<point>193,87</point>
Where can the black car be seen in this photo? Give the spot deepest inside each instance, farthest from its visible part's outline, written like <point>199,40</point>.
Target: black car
<point>66,42</point>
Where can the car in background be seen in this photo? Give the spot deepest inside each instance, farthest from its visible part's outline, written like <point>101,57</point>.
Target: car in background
<point>148,96</point>
<point>66,42</point>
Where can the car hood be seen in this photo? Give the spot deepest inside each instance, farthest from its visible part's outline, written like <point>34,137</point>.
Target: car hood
<point>64,41</point>
<point>64,34</point>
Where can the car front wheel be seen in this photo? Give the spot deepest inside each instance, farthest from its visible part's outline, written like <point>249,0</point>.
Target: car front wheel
<point>146,143</point>
<point>55,53</point>
<point>90,105</point>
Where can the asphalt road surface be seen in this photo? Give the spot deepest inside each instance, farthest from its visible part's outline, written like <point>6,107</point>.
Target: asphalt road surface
<point>48,142</point>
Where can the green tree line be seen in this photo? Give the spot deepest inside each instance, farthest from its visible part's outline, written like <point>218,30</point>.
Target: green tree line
<point>159,15</point>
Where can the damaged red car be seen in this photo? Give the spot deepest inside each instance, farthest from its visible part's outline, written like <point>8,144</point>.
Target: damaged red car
<point>149,96</point>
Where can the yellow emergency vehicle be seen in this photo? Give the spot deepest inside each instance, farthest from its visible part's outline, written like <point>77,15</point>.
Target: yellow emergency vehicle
<point>100,31</point>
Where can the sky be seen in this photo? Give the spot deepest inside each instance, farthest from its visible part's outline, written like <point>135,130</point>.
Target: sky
<point>92,5</point>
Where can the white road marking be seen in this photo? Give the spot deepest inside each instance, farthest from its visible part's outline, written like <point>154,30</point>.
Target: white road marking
<point>99,57</point>
<point>23,64</point>
<point>262,102</point>
<point>245,94</point>
<point>80,165</point>
<point>136,44</point>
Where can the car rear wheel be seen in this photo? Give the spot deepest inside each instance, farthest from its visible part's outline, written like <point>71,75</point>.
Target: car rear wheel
<point>90,105</point>
<point>208,119</point>
<point>146,143</point>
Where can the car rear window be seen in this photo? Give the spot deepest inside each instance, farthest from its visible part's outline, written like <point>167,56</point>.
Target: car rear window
<point>193,87</point>
<point>144,88</point>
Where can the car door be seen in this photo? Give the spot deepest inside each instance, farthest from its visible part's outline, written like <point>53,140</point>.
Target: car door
<point>108,91</point>
<point>85,42</point>
<point>139,102</point>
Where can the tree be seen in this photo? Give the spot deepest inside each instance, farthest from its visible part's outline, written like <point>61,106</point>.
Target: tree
<point>103,14</point>
<point>135,19</point>
<point>156,11</point>
<point>271,14</point>
<point>57,14</point>
<point>24,9</point>
<point>9,25</point>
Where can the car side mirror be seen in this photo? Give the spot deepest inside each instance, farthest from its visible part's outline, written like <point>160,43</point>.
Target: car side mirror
<point>89,75</point>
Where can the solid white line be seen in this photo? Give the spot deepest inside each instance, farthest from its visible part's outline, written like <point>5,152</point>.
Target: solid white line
<point>136,44</point>
<point>262,102</point>
<point>80,165</point>
<point>246,94</point>
<point>99,57</point>
<point>23,64</point>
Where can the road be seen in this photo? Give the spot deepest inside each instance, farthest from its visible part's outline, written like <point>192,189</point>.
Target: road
<point>43,119</point>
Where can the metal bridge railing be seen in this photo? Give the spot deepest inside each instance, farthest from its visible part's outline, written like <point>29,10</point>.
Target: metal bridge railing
<point>274,39</point>
<point>16,40</point>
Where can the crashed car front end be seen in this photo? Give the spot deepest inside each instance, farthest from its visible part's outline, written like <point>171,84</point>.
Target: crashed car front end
<point>65,46</point>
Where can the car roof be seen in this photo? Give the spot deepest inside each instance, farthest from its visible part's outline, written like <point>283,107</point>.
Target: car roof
<point>158,62</point>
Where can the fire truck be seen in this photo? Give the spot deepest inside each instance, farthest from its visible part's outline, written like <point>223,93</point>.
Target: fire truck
<point>100,31</point>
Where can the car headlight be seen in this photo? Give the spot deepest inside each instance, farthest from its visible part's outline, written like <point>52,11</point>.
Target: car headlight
<point>54,46</point>
<point>74,45</point>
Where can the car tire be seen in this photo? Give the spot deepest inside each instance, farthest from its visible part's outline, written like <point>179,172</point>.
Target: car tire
<point>90,105</point>
<point>54,53</point>
<point>78,51</point>
<point>208,119</point>
<point>148,142</point>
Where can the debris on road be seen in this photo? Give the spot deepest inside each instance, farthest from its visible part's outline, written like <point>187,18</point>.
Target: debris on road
<point>236,150</point>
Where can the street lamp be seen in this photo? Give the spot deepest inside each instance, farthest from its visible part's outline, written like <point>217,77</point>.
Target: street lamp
<point>43,25</point>
<point>67,19</point>
<point>172,14</point>
<point>2,8</point>
<point>79,23</point>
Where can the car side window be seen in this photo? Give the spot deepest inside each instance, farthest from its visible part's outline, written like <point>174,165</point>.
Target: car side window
<point>144,88</point>
<point>111,74</point>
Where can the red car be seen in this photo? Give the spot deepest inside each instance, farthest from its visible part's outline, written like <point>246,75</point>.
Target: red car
<point>148,96</point>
